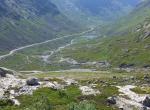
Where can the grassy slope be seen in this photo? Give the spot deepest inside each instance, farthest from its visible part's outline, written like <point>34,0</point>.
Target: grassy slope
<point>29,59</point>
<point>30,32</point>
<point>24,26</point>
<point>123,47</point>
<point>117,50</point>
<point>61,102</point>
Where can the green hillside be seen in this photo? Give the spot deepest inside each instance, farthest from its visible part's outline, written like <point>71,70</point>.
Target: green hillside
<point>127,42</point>
<point>24,22</point>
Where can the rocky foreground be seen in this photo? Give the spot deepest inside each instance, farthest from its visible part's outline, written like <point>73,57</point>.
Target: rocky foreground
<point>12,86</point>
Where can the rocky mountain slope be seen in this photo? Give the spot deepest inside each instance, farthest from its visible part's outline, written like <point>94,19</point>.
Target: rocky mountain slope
<point>28,21</point>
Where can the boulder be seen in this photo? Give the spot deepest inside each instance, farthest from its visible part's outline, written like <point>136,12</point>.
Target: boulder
<point>2,73</point>
<point>147,46</point>
<point>111,100</point>
<point>146,76</point>
<point>71,82</point>
<point>15,102</point>
<point>103,64</point>
<point>132,78</point>
<point>114,77</point>
<point>121,108</point>
<point>54,85</point>
<point>89,91</point>
<point>144,108</point>
<point>146,102</point>
<point>147,34</point>
<point>146,66</point>
<point>32,82</point>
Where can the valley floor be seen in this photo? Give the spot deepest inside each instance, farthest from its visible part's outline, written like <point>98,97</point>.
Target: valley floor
<point>42,56</point>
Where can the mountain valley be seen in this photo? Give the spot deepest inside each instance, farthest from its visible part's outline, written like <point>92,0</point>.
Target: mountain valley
<point>75,55</point>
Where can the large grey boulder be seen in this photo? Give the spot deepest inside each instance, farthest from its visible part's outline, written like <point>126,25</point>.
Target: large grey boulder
<point>32,82</point>
<point>146,102</point>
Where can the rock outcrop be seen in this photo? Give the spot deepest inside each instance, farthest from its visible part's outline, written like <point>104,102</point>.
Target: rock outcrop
<point>111,100</point>
<point>123,65</point>
<point>5,71</point>
<point>89,91</point>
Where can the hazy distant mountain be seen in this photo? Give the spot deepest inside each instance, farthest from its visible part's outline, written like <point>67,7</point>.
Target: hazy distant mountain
<point>27,21</point>
<point>99,10</point>
<point>107,9</point>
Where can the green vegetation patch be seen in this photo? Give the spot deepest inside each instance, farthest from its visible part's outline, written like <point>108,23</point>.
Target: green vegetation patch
<point>46,99</point>
<point>141,90</point>
<point>85,105</point>
<point>68,99</point>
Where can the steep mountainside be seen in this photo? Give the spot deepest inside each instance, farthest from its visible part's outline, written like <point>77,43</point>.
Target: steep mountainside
<point>129,44</point>
<point>95,11</point>
<point>127,23</point>
<point>105,8</point>
<point>28,21</point>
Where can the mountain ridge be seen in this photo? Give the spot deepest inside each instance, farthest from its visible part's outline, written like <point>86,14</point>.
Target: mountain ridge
<point>25,22</point>
<point>95,11</point>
